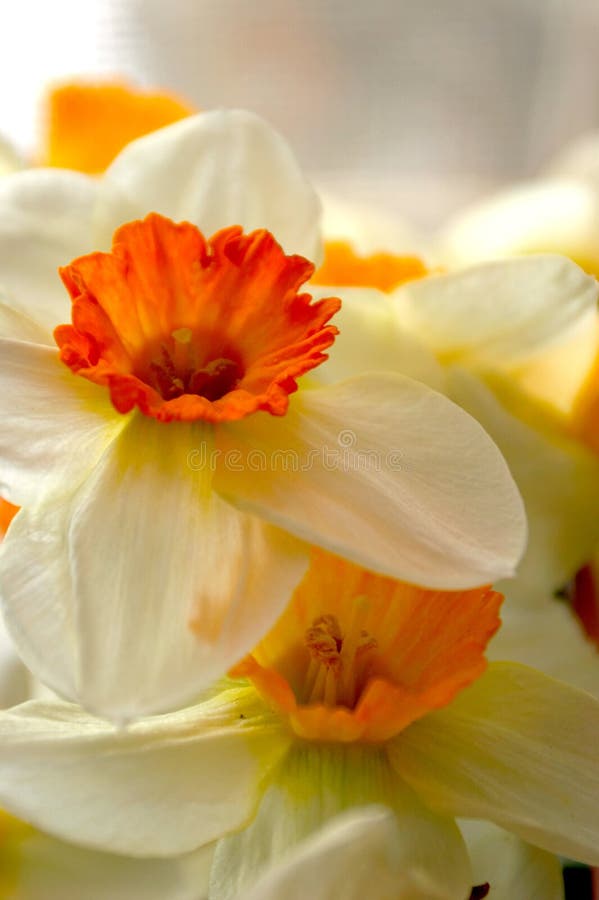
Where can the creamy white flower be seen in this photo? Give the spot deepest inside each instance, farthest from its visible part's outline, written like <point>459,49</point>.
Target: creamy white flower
<point>306,732</point>
<point>466,334</point>
<point>501,339</point>
<point>135,523</point>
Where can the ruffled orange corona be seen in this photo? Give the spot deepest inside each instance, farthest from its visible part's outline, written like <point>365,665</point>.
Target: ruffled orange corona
<point>358,656</point>
<point>89,124</point>
<point>187,328</point>
<point>344,268</point>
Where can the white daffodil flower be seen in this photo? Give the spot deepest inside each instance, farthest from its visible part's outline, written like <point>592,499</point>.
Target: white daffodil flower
<point>366,691</point>
<point>495,338</point>
<point>166,477</point>
<point>558,212</point>
<point>465,334</point>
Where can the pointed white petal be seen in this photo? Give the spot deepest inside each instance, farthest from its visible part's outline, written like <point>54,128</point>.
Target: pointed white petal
<point>214,169</point>
<point>386,472</point>
<point>162,787</point>
<point>55,425</point>
<point>101,590</point>
<point>516,748</point>
<point>499,313</point>
<point>358,854</point>
<point>45,222</point>
<point>557,477</point>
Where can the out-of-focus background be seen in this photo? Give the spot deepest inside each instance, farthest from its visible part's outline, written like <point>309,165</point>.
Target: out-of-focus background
<point>426,104</point>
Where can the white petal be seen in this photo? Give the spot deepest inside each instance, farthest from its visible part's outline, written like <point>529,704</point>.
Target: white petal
<point>514,869</point>
<point>557,477</point>
<point>16,326</point>
<point>55,425</point>
<point>162,787</point>
<point>499,313</point>
<point>315,783</point>
<point>101,589</point>
<point>553,216</point>
<point>45,222</point>
<point>356,855</point>
<point>516,748</point>
<point>216,169</point>
<point>384,471</point>
<point>550,638</point>
<point>371,339</point>
<point>50,869</point>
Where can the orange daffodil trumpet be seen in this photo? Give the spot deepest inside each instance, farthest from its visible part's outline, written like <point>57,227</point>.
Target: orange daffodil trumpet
<point>368,707</point>
<point>168,469</point>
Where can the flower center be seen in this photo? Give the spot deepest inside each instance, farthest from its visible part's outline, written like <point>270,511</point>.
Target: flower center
<point>358,656</point>
<point>176,371</point>
<point>187,328</point>
<point>339,662</point>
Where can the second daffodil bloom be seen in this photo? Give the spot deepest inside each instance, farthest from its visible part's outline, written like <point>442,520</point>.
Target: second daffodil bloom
<point>168,472</point>
<point>367,691</point>
<point>478,334</point>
